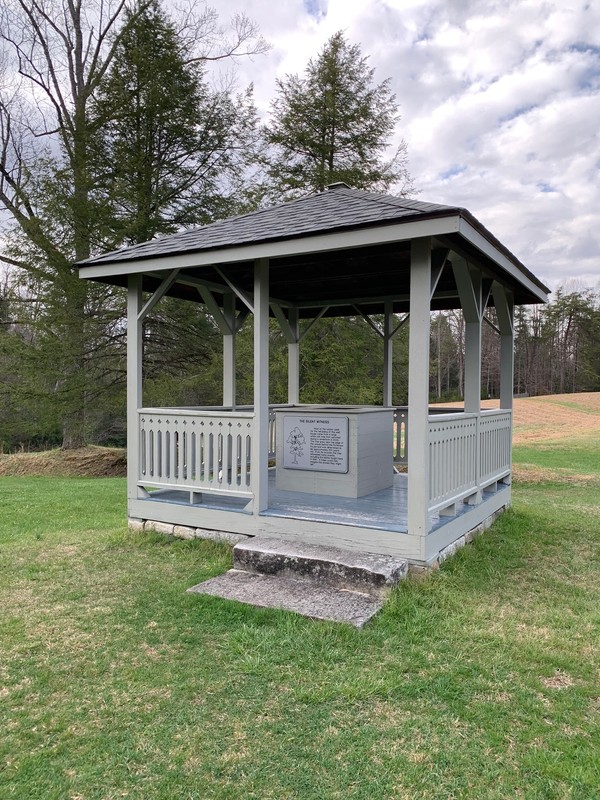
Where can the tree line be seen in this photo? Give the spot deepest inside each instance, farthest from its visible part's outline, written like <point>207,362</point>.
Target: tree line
<point>557,348</point>
<point>114,129</point>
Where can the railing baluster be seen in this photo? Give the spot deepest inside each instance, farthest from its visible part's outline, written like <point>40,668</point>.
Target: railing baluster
<point>143,465</point>
<point>193,454</point>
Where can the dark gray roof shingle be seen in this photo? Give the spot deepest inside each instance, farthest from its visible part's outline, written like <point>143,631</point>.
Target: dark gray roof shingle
<point>338,207</point>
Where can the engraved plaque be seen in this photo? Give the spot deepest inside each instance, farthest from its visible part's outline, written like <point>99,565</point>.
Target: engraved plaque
<point>315,442</point>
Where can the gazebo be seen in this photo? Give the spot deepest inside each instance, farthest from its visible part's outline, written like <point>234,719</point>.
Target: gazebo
<point>326,474</point>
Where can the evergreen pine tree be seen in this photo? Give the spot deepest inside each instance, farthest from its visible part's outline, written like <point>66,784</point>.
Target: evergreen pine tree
<point>335,124</point>
<point>177,150</point>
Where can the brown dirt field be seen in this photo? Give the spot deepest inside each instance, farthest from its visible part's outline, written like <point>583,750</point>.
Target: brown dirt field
<point>87,462</point>
<point>555,417</point>
<point>529,473</point>
<point>552,417</point>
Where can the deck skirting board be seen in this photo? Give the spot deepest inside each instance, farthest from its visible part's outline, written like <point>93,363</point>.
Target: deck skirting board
<point>367,540</point>
<point>461,525</point>
<point>193,516</point>
<point>348,536</point>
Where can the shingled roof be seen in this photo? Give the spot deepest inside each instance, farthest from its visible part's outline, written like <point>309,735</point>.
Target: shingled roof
<point>337,208</point>
<point>326,249</point>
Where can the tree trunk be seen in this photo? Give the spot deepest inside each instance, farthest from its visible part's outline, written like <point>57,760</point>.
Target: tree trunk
<point>74,365</point>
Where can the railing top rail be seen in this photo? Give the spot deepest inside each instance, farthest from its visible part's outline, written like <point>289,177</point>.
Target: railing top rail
<point>450,417</point>
<point>196,412</point>
<point>460,414</point>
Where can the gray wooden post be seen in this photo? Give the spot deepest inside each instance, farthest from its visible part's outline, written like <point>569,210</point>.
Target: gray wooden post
<point>473,312</point>
<point>134,381</point>
<point>506,370</point>
<point>469,284</point>
<point>418,390</point>
<point>504,302</point>
<point>229,351</point>
<point>388,353</point>
<point>473,366</point>
<point>294,358</point>
<point>470,288</point>
<point>260,448</point>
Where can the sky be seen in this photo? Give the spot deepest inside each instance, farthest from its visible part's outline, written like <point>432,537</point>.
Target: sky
<point>500,107</point>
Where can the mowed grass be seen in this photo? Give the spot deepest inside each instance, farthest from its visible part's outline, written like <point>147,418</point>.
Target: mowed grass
<point>580,457</point>
<point>480,681</point>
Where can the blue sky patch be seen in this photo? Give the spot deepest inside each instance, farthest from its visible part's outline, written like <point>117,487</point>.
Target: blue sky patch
<point>518,112</point>
<point>316,8</point>
<point>452,172</point>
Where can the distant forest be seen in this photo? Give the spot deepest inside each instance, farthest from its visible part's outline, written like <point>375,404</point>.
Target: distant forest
<point>115,129</point>
<point>557,350</point>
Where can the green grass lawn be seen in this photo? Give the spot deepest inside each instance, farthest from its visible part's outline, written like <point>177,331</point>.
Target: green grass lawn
<point>580,457</point>
<point>481,681</point>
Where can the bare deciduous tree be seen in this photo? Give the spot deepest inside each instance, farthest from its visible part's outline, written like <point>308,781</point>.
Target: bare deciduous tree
<point>55,55</point>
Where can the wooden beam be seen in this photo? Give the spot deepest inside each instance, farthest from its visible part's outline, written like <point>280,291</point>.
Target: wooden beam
<point>223,324</point>
<point>387,354</point>
<point>242,316</point>
<point>260,445</point>
<point>312,322</point>
<point>158,294</point>
<point>291,333</point>
<point>369,321</point>
<point>236,290</point>
<point>468,283</point>
<point>437,268</point>
<point>350,301</point>
<point>290,336</point>
<point>318,243</point>
<point>294,358</point>
<point>134,382</point>
<point>229,352</point>
<point>192,280</point>
<point>504,302</point>
<point>400,324</point>
<point>489,322</point>
<point>473,366</point>
<point>418,390</point>
<point>470,288</point>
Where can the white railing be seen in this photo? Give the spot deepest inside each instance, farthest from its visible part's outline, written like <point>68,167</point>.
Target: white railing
<point>401,431</point>
<point>210,449</point>
<point>196,450</point>
<point>495,445</point>
<point>467,453</point>
<point>452,458</point>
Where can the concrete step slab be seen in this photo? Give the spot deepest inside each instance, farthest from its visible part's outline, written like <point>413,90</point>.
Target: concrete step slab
<point>331,566</point>
<point>303,597</point>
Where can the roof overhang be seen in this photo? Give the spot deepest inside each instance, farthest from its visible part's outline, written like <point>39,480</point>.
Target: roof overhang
<point>305,245</point>
<point>367,264</point>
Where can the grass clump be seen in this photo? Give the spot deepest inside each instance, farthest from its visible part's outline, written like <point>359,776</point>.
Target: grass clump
<point>92,462</point>
<point>480,681</point>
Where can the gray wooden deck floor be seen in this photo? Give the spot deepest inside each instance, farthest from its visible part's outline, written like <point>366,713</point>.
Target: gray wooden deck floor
<point>384,510</point>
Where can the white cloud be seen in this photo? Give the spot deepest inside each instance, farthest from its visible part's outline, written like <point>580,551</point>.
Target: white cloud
<point>500,104</point>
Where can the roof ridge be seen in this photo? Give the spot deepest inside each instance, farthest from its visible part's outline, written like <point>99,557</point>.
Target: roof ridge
<point>196,228</point>
<point>402,202</point>
<point>256,212</point>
